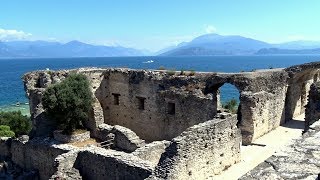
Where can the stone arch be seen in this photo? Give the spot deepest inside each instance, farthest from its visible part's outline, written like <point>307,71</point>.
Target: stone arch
<point>315,77</point>
<point>297,93</point>
<point>244,116</point>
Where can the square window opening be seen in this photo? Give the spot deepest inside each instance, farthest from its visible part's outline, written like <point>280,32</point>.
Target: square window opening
<point>171,108</point>
<point>116,99</point>
<point>141,102</point>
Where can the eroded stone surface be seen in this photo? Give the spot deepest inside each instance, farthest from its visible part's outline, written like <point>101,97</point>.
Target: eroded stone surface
<point>300,160</point>
<point>59,136</point>
<point>313,106</point>
<point>201,151</point>
<point>152,151</point>
<point>119,137</point>
<point>98,163</point>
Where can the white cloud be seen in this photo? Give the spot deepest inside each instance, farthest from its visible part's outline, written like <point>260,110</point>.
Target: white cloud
<point>10,35</point>
<point>210,29</point>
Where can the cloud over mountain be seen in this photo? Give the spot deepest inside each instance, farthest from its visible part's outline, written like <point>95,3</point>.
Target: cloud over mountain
<point>11,34</point>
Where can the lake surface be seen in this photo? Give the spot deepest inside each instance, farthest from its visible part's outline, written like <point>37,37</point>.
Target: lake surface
<point>11,70</point>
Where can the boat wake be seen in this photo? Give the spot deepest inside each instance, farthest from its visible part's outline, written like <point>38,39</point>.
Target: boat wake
<point>150,61</point>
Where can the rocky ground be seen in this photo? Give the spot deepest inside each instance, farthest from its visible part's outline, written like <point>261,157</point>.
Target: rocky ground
<point>300,160</point>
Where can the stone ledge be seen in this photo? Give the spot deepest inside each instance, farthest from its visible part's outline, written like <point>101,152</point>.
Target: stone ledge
<point>71,138</point>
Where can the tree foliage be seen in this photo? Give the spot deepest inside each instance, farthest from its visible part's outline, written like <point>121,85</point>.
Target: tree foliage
<point>17,122</point>
<point>69,102</point>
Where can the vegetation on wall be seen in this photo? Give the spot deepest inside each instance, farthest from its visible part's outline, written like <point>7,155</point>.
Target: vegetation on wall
<point>231,105</point>
<point>171,72</point>
<point>16,122</point>
<point>68,103</point>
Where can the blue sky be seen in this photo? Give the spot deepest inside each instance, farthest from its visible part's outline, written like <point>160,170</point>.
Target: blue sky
<point>151,24</point>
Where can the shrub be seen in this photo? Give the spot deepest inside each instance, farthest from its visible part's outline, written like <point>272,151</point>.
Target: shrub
<point>17,122</point>
<point>162,68</point>
<point>6,132</point>
<point>192,72</point>
<point>171,72</point>
<point>69,102</point>
<point>231,105</point>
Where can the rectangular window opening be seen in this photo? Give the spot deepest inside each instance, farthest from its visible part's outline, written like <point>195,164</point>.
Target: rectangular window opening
<point>171,108</point>
<point>141,101</point>
<point>116,99</point>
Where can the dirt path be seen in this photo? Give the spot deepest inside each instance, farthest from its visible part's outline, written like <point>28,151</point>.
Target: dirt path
<point>266,146</point>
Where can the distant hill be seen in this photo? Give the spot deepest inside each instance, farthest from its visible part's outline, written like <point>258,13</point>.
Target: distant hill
<point>56,49</point>
<point>270,51</point>
<point>215,44</point>
<point>298,45</point>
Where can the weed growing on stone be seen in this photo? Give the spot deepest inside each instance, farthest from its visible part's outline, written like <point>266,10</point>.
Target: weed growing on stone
<point>231,106</point>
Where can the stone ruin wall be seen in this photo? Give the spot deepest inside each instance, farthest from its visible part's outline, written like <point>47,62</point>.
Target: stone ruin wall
<point>153,121</point>
<point>215,143</point>
<point>313,106</point>
<point>201,151</point>
<point>267,99</point>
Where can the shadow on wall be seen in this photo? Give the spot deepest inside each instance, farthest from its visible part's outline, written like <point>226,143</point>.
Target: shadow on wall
<point>297,94</point>
<point>294,124</point>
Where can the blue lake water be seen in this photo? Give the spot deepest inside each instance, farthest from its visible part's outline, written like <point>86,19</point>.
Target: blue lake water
<point>11,70</point>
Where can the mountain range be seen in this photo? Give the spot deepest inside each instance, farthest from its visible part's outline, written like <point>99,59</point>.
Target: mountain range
<point>205,45</point>
<point>215,44</point>
<point>56,49</point>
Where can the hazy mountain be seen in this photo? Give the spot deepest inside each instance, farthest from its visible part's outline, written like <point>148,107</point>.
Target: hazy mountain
<point>56,49</point>
<point>205,45</point>
<point>270,51</point>
<point>214,44</point>
<point>4,49</point>
<point>169,48</point>
<point>298,45</point>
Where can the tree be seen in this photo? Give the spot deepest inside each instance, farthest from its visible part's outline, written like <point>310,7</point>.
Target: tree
<point>17,122</point>
<point>68,103</point>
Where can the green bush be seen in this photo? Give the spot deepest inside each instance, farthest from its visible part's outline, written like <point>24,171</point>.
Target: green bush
<point>171,72</point>
<point>231,105</point>
<point>17,122</point>
<point>182,72</point>
<point>6,132</point>
<point>192,72</point>
<point>4,128</point>
<point>69,102</point>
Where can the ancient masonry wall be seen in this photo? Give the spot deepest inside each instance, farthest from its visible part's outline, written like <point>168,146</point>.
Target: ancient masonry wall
<point>201,151</point>
<point>215,143</point>
<point>37,154</point>
<point>141,100</point>
<point>165,105</point>
<point>160,121</point>
<point>313,106</point>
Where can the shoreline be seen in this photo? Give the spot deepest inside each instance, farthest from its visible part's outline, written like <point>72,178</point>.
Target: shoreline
<point>24,108</point>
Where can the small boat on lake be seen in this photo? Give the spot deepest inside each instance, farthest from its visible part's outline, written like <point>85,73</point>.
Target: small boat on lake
<point>150,61</point>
